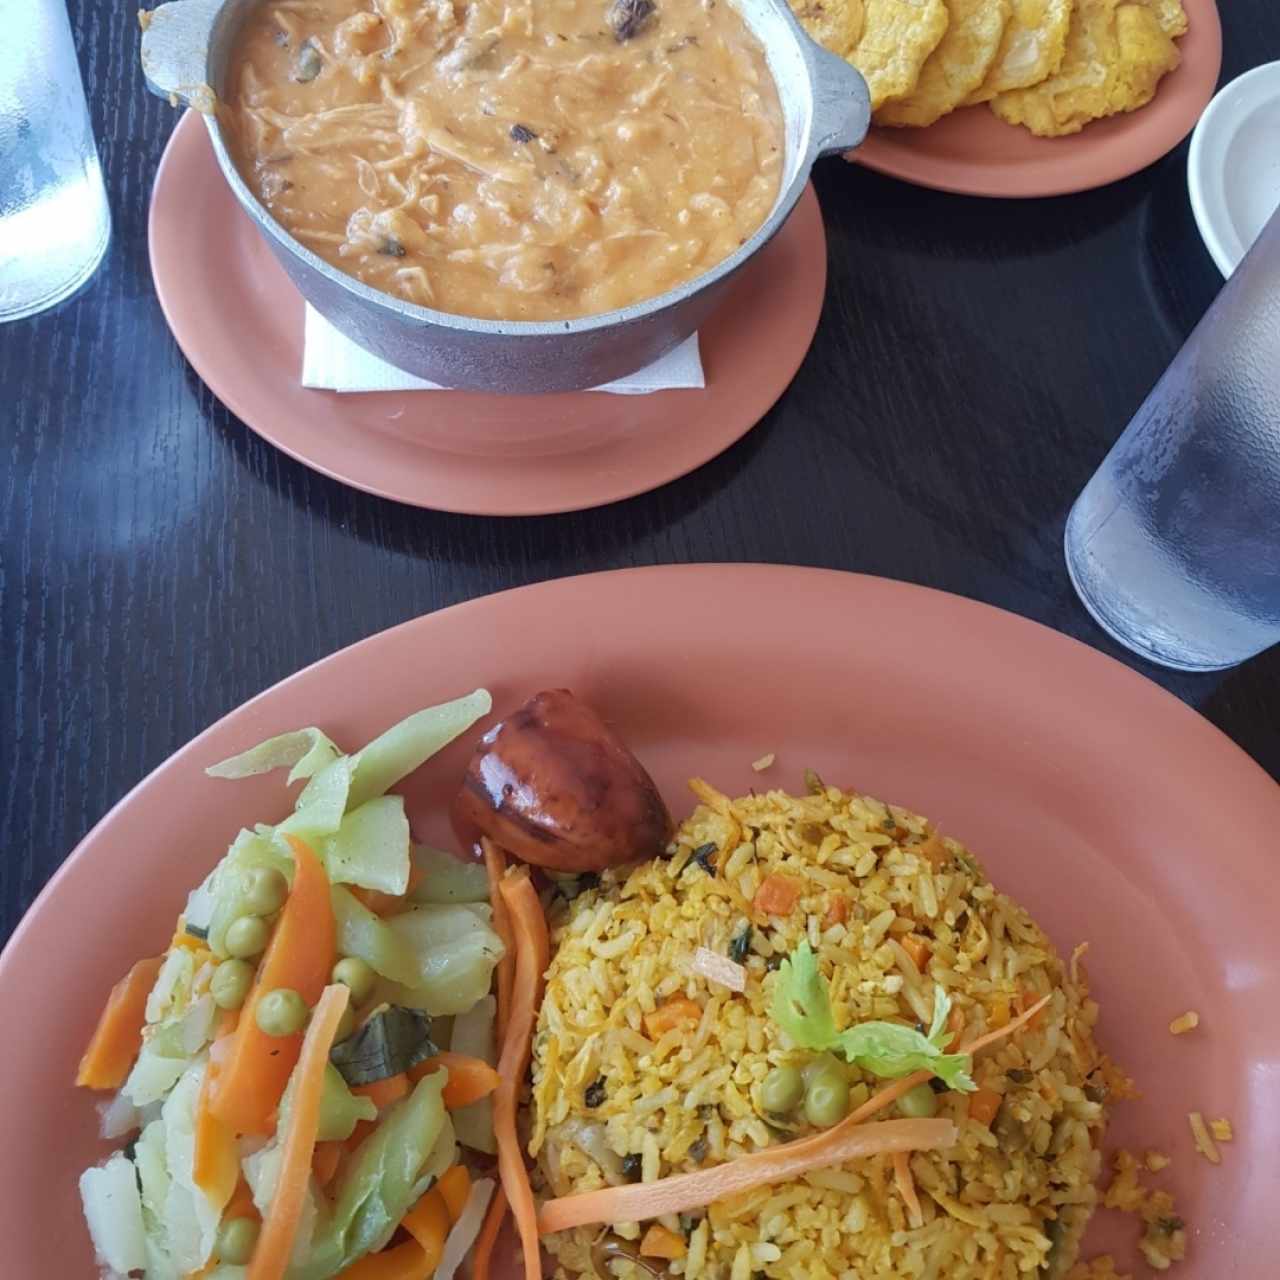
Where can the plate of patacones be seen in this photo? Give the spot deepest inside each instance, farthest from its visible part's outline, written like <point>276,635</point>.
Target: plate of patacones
<point>1023,97</point>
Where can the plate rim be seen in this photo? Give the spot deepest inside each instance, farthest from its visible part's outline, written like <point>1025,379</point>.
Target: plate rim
<point>1201,172</point>
<point>755,575</point>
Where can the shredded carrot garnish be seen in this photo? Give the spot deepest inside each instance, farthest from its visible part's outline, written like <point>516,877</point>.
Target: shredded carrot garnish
<point>495,863</point>
<point>280,1226</point>
<point>428,1223</point>
<point>684,1191</point>
<point>533,954</point>
<point>906,1185</point>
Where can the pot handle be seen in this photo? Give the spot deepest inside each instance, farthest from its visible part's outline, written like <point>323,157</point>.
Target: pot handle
<point>175,51</point>
<point>841,102</point>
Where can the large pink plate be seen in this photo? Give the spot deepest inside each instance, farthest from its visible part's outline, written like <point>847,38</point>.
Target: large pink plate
<point>974,152</point>
<point>239,321</point>
<point>1113,811</point>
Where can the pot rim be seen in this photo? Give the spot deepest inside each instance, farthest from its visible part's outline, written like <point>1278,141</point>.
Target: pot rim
<point>831,128</point>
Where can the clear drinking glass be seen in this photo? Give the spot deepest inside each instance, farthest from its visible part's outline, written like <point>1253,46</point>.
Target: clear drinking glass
<point>54,221</point>
<point>1174,545</point>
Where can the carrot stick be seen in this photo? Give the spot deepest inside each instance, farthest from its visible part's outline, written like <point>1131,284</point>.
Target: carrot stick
<point>470,1079</point>
<point>455,1187</point>
<point>845,1141</point>
<point>641,1201</point>
<point>280,1226</point>
<point>118,1036</point>
<point>215,1166</point>
<point>906,1185</point>
<point>382,1093</point>
<point>428,1223</point>
<point>300,956</point>
<point>532,949</point>
<point>482,1253</point>
<point>495,863</point>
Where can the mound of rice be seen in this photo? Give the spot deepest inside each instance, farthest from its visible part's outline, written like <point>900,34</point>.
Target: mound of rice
<point>611,1104</point>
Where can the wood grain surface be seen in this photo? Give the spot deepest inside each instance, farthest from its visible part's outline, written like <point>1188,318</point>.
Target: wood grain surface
<point>159,564</point>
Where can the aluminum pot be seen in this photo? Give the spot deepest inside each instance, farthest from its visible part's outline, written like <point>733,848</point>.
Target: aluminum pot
<point>186,46</point>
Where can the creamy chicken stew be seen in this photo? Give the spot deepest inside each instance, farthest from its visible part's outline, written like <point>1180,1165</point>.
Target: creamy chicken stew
<point>505,158</point>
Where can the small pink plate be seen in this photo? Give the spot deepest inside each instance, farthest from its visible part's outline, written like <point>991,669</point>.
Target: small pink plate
<point>975,153</point>
<point>1111,810</point>
<point>238,320</point>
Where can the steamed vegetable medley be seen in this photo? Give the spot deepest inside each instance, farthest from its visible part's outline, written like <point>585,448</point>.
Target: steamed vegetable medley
<point>295,1078</point>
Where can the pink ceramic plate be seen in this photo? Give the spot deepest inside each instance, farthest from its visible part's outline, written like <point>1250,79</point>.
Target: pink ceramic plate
<point>973,152</point>
<point>1114,812</point>
<point>239,321</point>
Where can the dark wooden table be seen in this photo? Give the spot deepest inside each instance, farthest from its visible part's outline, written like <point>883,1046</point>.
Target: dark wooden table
<point>159,564</point>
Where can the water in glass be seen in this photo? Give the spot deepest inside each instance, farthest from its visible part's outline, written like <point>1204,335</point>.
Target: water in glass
<point>54,222</point>
<point>1174,545</point>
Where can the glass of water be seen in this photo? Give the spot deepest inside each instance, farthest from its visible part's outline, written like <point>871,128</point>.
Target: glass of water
<point>1174,545</point>
<point>54,221</point>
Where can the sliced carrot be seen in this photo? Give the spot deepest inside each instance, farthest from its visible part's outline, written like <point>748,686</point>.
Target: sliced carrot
<point>118,1036</point>
<point>639,1201</point>
<point>324,1164</point>
<point>983,1105</point>
<point>533,954</point>
<point>837,910</point>
<point>776,896</point>
<point>906,1185</point>
<point>406,1261</point>
<point>300,956</point>
<point>658,1242</point>
<point>482,1253</point>
<point>382,1093</point>
<point>666,1017</point>
<point>280,1226</point>
<point>918,949</point>
<point>470,1079</point>
<point>428,1223</point>
<point>215,1165</point>
<point>848,1140</point>
<point>455,1187</point>
<point>495,863</point>
<point>955,1024</point>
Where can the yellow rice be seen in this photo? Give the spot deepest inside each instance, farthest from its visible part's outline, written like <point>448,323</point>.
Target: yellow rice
<point>1008,1202</point>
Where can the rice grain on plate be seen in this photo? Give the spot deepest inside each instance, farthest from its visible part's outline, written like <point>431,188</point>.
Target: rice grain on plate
<point>644,1067</point>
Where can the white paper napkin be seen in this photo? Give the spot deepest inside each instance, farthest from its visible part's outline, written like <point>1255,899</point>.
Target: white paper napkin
<point>332,362</point>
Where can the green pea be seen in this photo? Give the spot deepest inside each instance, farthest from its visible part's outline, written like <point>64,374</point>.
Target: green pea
<point>230,983</point>
<point>919,1103</point>
<point>237,1240</point>
<point>265,891</point>
<point>247,936</point>
<point>357,976</point>
<point>782,1090</point>
<point>346,1024</point>
<point>281,1012</point>
<point>826,1097</point>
